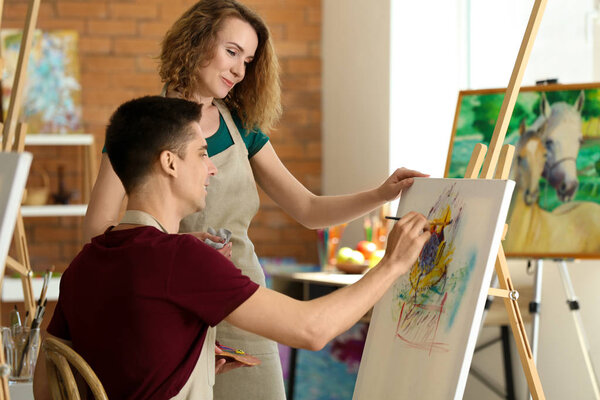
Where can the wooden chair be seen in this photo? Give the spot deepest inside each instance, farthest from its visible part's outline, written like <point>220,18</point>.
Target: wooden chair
<point>59,359</point>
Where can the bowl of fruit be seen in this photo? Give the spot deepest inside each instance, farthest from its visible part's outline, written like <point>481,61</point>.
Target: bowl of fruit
<point>357,261</point>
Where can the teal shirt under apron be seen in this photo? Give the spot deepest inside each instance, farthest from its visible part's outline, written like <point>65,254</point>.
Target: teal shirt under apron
<point>221,140</point>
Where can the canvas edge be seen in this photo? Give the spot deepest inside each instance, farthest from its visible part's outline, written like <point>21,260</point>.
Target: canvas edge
<point>487,278</point>
<point>16,185</point>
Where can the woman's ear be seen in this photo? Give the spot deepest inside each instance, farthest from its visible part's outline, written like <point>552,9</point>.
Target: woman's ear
<point>168,163</point>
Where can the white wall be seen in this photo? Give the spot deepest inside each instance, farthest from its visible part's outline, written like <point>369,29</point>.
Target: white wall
<point>356,91</point>
<point>391,73</point>
<point>376,115</point>
<point>563,48</point>
<point>424,81</point>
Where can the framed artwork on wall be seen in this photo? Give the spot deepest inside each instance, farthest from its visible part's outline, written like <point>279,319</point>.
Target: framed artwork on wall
<point>555,208</point>
<point>52,93</point>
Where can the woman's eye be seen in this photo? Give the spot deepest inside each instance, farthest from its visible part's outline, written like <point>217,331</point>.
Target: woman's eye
<point>231,52</point>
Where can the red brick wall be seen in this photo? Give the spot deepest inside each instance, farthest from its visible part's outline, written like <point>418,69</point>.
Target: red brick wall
<point>118,40</point>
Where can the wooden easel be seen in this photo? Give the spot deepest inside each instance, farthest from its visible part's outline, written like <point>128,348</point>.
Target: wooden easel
<point>13,139</point>
<point>496,165</point>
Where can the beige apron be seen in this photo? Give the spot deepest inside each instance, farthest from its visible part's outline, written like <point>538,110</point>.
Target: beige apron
<point>231,203</point>
<point>199,385</point>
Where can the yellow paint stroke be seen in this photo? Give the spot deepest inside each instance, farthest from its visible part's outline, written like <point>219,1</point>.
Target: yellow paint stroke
<point>421,281</point>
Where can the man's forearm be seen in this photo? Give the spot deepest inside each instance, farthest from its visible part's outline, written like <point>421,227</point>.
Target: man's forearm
<point>335,313</point>
<point>311,324</point>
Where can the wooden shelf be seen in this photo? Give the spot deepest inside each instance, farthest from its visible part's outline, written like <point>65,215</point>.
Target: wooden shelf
<point>54,139</point>
<point>85,140</point>
<point>55,210</point>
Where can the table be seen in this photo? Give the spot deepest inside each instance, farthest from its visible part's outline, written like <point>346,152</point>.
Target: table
<point>306,286</point>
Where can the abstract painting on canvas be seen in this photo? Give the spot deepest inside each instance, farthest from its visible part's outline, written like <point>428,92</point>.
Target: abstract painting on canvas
<point>423,330</point>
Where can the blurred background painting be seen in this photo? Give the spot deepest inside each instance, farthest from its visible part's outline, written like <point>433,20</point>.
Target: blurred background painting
<point>52,95</point>
<point>330,373</point>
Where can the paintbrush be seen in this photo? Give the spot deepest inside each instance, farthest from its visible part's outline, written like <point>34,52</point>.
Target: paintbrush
<point>37,320</point>
<point>47,277</point>
<point>432,223</point>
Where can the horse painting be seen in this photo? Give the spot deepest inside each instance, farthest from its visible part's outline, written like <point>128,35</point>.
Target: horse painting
<point>559,126</point>
<point>571,228</point>
<point>556,164</point>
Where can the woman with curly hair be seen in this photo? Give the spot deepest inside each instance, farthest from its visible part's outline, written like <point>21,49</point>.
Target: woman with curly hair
<point>219,53</point>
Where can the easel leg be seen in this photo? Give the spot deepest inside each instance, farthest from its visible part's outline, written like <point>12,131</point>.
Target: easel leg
<point>508,373</point>
<point>534,307</point>
<point>583,342</point>
<point>518,329</point>
<point>488,301</point>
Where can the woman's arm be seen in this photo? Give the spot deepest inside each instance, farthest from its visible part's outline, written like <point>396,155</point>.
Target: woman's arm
<point>315,211</point>
<point>105,202</point>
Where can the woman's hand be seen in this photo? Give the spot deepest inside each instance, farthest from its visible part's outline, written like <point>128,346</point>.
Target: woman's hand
<point>225,250</point>
<point>401,179</point>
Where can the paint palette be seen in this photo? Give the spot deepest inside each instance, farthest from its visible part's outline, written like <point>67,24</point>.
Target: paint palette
<point>237,355</point>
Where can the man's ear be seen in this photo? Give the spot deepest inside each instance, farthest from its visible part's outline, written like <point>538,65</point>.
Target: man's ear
<point>168,165</point>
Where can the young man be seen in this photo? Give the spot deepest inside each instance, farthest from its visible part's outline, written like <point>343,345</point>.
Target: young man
<point>139,302</point>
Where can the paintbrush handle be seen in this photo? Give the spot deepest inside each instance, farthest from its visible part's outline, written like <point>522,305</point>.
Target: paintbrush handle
<point>429,222</point>
<point>32,331</point>
<point>47,276</point>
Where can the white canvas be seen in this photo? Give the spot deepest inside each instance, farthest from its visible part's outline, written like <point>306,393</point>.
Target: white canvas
<point>423,330</point>
<point>14,168</point>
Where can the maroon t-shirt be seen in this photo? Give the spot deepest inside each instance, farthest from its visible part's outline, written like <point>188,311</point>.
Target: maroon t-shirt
<point>136,304</point>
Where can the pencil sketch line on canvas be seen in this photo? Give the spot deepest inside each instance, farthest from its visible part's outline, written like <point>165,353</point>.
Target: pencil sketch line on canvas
<point>433,292</point>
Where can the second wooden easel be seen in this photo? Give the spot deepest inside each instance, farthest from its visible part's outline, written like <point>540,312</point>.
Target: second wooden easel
<point>496,164</point>
<point>13,139</point>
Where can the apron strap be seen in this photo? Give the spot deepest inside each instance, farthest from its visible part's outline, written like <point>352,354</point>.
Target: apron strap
<point>137,217</point>
<point>233,130</point>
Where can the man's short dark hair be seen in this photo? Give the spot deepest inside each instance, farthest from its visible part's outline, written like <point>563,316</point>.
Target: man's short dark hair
<point>140,129</point>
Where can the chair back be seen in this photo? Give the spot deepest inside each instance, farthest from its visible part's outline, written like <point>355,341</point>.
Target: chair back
<point>59,359</point>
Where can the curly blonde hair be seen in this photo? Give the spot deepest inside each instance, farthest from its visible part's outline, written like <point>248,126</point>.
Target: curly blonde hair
<point>190,45</point>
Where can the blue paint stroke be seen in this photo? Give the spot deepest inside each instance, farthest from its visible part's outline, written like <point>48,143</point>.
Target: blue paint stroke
<point>458,283</point>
